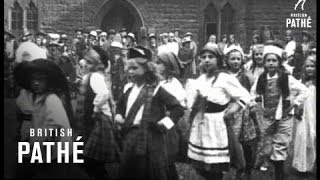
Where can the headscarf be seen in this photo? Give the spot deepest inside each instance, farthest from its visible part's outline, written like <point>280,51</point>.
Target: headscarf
<point>171,62</point>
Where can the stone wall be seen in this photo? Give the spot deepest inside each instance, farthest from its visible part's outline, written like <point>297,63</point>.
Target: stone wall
<point>165,15</point>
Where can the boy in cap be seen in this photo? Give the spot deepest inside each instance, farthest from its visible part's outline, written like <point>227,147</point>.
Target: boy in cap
<point>280,95</point>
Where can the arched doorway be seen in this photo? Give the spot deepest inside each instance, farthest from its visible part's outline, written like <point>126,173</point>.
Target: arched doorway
<point>117,14</point>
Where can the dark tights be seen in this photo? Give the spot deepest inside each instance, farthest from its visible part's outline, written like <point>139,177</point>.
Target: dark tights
<point>278,170</point>
<point>210,175</point>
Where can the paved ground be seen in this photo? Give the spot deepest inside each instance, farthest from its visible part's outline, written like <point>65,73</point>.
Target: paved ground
<point>185,171</point>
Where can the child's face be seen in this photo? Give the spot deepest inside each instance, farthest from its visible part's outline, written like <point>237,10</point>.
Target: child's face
<point>258,58</point>
<point>271,63</point>
<point>39,83</point>
<point>310,66</point>
<point>160,67</point>
<point>135,71</point>
<point>235,60</point>
<point>209,61</point>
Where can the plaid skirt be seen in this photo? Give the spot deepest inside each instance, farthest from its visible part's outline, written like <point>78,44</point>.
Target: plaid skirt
<point>101,144</point>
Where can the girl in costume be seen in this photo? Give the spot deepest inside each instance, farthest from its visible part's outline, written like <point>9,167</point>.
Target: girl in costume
<point>44,102</point>
<point>304,156</point>
<point>245,126</point>
<point>209,97</point>
<point>100,146</point>
<point>168,67</point>
<point>142,112</point>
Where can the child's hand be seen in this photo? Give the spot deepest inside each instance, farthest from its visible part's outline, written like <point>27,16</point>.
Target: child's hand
<point>119,119</point>
<point>298,112</point>
<point>287,110</point>
<point>161,127</point>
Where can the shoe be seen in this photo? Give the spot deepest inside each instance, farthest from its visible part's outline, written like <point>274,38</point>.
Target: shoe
<point>264,167</point>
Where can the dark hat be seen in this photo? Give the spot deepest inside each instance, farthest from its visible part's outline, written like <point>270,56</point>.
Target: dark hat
<point>123,30</point>
<point>176,29</point>
<point>56,78</point>
<point>139,52</point>
<point>111,31</point>
<point>78,30</point>
<point>41,33</point>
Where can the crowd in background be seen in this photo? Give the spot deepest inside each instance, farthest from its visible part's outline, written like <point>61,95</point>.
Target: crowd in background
<point>150,104</point>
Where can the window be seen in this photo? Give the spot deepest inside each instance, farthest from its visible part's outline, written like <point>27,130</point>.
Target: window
<point>227,23</point>
<point>17,19</point>
<point>32,17</point>
<point>210,21</point>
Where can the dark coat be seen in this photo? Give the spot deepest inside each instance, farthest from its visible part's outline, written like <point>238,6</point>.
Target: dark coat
<point>154,165</point>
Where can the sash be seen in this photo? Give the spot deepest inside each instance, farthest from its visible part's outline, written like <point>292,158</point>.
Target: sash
<point>144,96</point>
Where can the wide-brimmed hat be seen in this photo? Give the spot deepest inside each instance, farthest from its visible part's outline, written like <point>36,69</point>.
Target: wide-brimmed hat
<point>103,34</point>
<point>55,76</point>
<point>152,35</point>
<point>93,33</point>
<point>64,36</point>
<point>188,34</point>
<point>98,30</point>
<point>41,33</point>
<point>26,32</point>
<point>164,35</point>
<point>186,39</point>
<point>29,51</point>
<point>131,35</point>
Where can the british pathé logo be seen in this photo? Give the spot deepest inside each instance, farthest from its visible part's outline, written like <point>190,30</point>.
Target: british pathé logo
<point>300,2</point>
<point>299,19</point>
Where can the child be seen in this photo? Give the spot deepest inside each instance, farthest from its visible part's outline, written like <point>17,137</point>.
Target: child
<point>256,68</point>
<point>43,103</point>
<point>168,67</point>
<point>244,126</point>
<point>305,140</point>
<point>279,93</point>
<point>209,96</point>
<point>186,56</point>
<point>100,146</point>
<point>141,111</point>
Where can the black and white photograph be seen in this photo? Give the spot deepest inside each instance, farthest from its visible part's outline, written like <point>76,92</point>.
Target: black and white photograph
<point>160,89</point>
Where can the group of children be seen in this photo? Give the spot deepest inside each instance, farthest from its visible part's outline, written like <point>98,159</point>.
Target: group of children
<point>238,117</point>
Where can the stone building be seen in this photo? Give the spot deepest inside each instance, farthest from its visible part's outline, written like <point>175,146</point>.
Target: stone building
<point>201,17</point>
